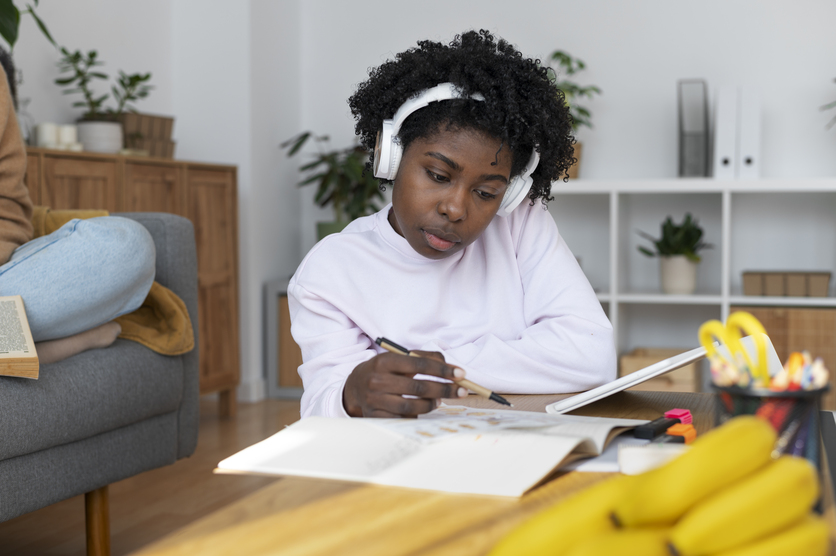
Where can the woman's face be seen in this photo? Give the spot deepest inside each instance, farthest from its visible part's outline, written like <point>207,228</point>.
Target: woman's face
<point>448,189</point>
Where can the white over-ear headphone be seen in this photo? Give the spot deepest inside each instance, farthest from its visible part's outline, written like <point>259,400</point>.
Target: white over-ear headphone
<point>388,150</point>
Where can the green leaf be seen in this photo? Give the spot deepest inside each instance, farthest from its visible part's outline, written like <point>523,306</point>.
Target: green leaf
<point>297,143</point>
<point>30,10</point>
<point>9,22</point>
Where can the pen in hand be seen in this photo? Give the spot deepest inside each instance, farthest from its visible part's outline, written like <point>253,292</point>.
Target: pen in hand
<point>481,390</point>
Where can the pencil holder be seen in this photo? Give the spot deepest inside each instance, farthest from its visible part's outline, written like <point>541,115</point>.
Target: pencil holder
<point>793,414</point>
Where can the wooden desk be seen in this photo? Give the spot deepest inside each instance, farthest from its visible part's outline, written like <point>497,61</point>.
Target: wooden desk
<point>318,517</point>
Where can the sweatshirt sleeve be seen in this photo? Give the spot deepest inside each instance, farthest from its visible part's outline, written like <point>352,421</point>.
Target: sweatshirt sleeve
<point>332,346</point>
<point>568,344</point>
<point>15,204</point>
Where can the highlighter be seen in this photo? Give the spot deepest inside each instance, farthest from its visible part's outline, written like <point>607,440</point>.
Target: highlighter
<point>655,428</point>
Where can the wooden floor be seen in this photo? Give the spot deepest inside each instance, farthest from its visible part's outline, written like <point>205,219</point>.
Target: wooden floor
<point>147,507</point>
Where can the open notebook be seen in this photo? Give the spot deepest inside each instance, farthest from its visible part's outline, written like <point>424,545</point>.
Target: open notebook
<point>452,449</point>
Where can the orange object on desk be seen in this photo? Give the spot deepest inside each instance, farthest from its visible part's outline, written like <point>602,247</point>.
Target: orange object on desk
<point>687,431</point>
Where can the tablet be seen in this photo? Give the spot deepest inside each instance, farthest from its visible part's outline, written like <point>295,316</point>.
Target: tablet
<point>628,381</point>
<point>660,368</point>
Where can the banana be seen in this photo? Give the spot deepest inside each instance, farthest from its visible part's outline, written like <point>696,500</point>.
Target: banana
<point>557,528</point>
<point>626,542</point>
<point>717,459</point>
<point>810,537</point>
<point>770,500</point>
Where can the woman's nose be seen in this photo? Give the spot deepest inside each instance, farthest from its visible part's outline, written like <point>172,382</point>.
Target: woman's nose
<point>453,204</point>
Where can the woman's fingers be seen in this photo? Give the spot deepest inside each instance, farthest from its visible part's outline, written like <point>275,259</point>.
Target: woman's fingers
<point>384,385</point>
<point>402,385</point>
<point>398,406</point>
<point>408,365</point>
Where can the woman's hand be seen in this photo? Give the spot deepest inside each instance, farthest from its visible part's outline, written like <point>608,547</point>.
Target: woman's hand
<point>376,388</point>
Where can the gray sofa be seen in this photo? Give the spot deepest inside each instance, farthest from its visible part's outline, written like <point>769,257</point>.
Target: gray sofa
<point>103,415</point>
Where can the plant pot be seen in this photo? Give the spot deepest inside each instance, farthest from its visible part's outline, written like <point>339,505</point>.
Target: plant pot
<point>327,228</point>
<point>100,137</point>
<point>573,170</point>
<point>678,274</point>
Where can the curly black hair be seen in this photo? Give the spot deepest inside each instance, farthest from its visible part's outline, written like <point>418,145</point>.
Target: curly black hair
<point>522,107</point>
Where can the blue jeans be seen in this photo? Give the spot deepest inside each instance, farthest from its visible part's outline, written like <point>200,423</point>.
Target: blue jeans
<point>84,274</point>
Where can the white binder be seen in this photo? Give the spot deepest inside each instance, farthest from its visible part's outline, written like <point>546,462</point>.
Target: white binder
<point>725,134</point>
<point>748,135</point>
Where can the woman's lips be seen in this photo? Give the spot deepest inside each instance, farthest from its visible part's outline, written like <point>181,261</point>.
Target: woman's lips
<point>439,243</point>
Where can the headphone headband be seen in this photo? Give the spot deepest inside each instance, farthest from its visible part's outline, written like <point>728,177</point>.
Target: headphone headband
<point>388,150</point>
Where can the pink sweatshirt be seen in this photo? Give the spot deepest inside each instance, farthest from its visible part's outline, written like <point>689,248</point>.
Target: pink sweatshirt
<point>513,308</point>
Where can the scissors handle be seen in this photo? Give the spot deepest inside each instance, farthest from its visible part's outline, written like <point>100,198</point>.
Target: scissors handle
<point>730,334</point>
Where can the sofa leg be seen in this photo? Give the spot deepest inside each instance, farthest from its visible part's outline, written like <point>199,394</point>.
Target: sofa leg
<point>98,522</point>
<point>228,403</point>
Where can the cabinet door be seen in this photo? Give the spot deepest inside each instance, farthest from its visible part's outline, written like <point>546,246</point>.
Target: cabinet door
<point>213,211</point>
<point>79,184</point>
<point>32,179</point>
<point>154,188</point>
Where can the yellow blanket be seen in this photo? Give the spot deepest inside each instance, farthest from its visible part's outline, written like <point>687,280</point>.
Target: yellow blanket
<point>162,322</point>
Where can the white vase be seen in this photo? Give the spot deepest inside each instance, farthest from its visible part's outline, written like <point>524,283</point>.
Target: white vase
<point>100,137</point>
<point>679,274</point>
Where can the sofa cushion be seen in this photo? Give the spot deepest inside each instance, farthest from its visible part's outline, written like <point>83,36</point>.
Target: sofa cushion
<point>91,393</point>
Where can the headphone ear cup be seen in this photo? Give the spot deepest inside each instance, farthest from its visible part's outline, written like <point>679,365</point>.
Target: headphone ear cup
<point>395,157</point>
<point>512,193</point>
<point>383,151</point>
<point>519,186</point>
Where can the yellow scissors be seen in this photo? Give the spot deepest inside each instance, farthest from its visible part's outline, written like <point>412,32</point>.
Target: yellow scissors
<point>737,325</point>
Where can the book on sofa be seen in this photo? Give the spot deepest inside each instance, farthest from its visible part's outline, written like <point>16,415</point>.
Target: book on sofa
<point>18,356</point>
<point>452,449</point>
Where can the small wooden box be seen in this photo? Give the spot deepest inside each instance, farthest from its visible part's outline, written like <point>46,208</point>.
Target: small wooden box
<point>684,379</point>
<point>783,284</point>
<point>773,284</point>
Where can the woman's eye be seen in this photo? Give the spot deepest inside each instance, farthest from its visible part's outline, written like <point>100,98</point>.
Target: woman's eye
<point>485,195</point>
<point>436,177</point>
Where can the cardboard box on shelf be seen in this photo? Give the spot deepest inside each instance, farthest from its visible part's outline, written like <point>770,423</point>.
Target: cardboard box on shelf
<point>774,284</point>
<point>753,283</point>
<point>685,379</point>
<point>787,284</point>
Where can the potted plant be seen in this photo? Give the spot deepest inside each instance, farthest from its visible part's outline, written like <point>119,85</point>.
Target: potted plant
<point>568,66</point>
<point>342,181</point>
<point>98,128</point>
<point>678,250</point>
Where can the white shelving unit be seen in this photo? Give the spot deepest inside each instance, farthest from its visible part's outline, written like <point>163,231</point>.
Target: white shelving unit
<point>768,224</point>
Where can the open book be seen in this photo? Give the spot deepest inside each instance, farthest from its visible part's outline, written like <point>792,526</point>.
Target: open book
<point>18,356</point>
<point>452,449</point>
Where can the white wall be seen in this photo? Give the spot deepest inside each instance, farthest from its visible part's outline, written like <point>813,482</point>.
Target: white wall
<point>142,46</point>
<point>272,209</point>
<point>241,77</point>
<point>635,52</point>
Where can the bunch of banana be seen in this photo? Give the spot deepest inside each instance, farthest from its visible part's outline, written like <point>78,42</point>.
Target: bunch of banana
<point>726,496</point>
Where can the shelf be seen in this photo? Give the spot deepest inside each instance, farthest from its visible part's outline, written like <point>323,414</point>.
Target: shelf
<point>695,185</point>
<point>669,299</point>
<point>773,223</point>
<point>782,301</point>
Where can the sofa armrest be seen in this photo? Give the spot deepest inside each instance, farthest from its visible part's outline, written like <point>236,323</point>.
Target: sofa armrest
<point>176,268</point>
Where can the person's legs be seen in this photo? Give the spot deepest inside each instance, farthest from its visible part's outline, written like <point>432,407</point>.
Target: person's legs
<point>85,274</point>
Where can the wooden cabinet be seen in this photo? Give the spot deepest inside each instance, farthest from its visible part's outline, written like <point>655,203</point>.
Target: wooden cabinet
<point>204,193</point>
<point>158,188</point>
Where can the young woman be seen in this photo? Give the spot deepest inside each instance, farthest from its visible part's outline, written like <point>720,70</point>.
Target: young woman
<point>465,265</point>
